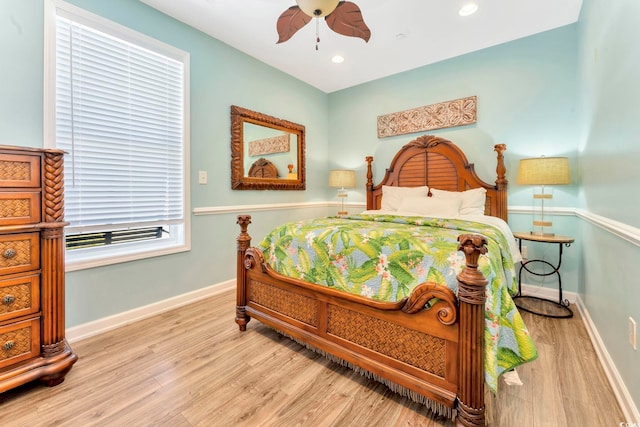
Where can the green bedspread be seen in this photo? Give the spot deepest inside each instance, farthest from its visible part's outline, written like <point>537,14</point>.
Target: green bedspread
<point>385,256</point>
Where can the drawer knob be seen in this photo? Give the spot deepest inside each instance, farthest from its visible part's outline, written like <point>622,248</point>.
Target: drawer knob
<point>9,253</point>
<point>8,345</point>
<point>8,299</point>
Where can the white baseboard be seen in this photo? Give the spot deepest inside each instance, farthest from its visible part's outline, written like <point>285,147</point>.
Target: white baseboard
<point>549,293</point>
<point>627,405</point>
<point>105,324</point>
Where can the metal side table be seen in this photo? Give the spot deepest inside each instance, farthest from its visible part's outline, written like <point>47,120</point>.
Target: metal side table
<point>562,304</point>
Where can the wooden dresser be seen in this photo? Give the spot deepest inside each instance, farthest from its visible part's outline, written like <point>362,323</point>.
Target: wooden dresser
<point>32,341</point>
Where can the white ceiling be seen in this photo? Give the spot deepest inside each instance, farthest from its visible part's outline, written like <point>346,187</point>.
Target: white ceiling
<point>405,34</point>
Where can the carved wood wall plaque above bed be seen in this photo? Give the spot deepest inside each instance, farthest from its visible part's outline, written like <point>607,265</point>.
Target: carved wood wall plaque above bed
<point>442,115</point>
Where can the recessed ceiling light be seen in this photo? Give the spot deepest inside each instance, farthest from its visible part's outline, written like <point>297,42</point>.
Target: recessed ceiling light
<point>468,9</point>
<point>337,59</point>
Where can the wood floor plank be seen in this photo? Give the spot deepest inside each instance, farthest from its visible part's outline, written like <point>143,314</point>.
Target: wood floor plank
<point>192,367</point>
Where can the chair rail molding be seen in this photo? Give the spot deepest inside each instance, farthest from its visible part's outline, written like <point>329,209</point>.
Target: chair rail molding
<point>217,210</point>
<point>624,231</point>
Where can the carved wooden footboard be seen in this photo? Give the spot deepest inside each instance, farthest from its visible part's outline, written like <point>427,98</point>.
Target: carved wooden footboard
<point>434,356</point>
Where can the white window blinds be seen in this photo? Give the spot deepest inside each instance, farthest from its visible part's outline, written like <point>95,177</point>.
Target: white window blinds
<point>119,115</point>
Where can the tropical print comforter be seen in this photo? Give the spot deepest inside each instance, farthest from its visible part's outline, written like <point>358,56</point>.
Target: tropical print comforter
<point>385,256</point>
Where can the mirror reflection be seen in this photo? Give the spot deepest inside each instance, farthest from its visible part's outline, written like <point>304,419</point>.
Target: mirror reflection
<point>266,152</point>
<point>275,148</point>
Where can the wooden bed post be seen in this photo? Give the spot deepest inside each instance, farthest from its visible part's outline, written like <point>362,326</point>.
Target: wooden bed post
<point>501,182</point>
<point>243,243</point>
<point>471,297</point>
<point>369,159</point>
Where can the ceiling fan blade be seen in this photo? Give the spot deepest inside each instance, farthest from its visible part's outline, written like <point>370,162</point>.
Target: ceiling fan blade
<point>290,22</point>
<point>347,20</point>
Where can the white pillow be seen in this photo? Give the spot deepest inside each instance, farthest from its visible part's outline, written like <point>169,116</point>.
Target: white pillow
<point>392,196</point>
<point>430,206</point>
<point>472,201</point>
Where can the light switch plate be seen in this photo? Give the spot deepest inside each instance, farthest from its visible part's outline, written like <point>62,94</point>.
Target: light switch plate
<point>202,177</point>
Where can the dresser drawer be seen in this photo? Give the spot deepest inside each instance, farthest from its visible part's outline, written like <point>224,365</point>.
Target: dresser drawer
<point>19,341</point>
<point>19,252</point>
<point>18,170</point>
<point>19,207</point>
<point>19,296</point>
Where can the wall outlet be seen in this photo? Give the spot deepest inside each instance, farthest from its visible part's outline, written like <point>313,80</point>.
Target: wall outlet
<point>202,177</point>
<point>523,252</point>
<point>632,333</point>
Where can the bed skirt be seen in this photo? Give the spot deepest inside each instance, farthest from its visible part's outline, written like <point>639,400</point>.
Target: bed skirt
<point>436,407</point>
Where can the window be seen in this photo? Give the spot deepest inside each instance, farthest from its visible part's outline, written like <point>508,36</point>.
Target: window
<point>121,116</point>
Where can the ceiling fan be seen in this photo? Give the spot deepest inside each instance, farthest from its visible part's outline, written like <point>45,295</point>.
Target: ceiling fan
<point>343,17</point>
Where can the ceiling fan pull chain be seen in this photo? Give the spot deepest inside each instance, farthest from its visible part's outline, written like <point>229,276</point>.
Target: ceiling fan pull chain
<point>317,32</point>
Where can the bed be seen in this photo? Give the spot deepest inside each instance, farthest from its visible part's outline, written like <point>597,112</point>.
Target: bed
<point>429,340</point>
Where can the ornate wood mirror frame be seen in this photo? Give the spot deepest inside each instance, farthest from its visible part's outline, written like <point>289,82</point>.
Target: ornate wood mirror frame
<point>256,137</point>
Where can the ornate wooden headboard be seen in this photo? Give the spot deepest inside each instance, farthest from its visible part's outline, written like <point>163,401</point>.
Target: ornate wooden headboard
<point>439,163</point>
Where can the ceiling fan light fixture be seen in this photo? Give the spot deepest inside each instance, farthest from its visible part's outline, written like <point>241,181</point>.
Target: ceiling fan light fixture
<point>342,16</point>
<point>317,8</point>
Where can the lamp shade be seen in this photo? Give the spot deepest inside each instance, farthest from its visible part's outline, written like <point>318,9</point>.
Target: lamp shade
<point>342,178</point>
<point>317,8</point>
<point>544,171</point>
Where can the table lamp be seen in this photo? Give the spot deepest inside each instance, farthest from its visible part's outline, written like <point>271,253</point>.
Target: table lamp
<point>342,179</point>
<point>543,171</point>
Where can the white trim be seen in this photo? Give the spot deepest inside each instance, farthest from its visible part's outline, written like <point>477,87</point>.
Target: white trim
<point>101,261</point>
<point>550,211</point>
<point>109,323</point>
<point>216,210</point>
<point>626,232</point>
<point>629,409</point>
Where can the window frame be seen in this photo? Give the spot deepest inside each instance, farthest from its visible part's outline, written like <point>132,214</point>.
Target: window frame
<point>180,240</point>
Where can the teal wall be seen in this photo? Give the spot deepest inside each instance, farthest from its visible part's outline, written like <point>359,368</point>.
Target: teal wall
<point>526,93</point>
<point>220,77</point>
<point>21,32</point>
<point>609,153</point>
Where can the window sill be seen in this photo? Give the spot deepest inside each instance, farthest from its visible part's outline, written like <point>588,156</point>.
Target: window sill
<point>84,261</point>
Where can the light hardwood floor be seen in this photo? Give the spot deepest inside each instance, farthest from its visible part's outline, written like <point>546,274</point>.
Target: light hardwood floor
<point>192,367</point>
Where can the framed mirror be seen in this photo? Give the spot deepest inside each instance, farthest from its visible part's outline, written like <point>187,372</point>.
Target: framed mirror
<point>267,153</point>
